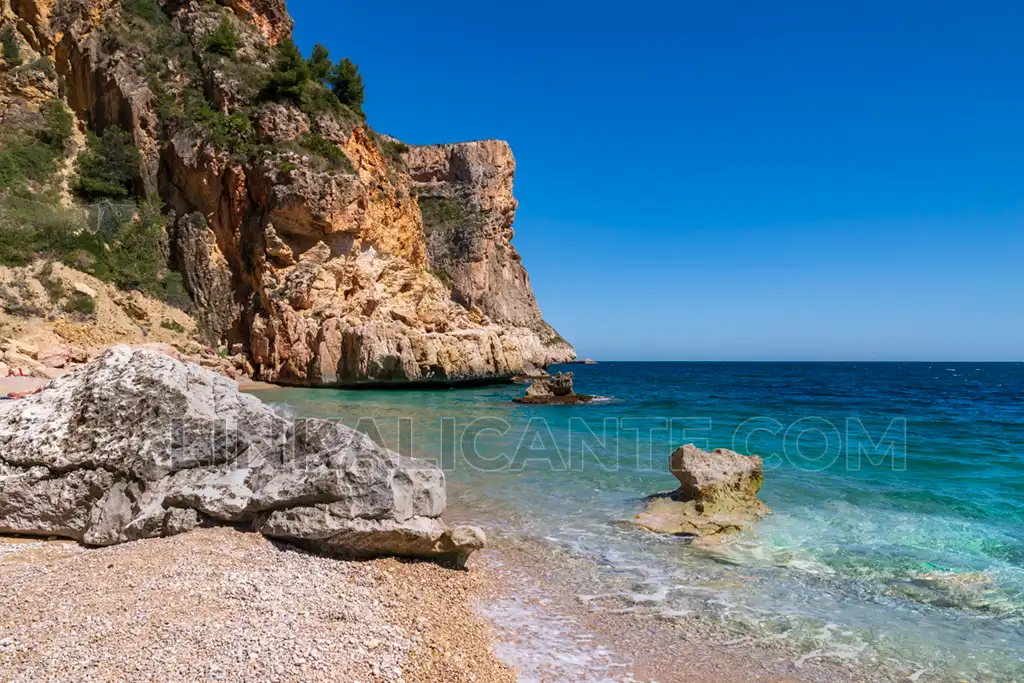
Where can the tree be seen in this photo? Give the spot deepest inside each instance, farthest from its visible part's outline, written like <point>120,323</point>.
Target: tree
<point>288,79</point>
<point>12,51</point>
<point>223,41</point>
<point>347,84</point>
<point>107,168</point>
<point>59,125</point>
<point>320,63</point>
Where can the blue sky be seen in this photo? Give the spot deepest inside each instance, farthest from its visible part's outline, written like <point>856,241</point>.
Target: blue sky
<point>703,180</point>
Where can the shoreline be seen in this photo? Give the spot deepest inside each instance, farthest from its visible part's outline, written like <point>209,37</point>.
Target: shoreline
<point>224,604</point>
<point>545,630</point>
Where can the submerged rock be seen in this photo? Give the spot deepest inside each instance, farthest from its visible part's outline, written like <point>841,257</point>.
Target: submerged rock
<point>138,445</point>
<point>717,494</point>
<point>557,389</point>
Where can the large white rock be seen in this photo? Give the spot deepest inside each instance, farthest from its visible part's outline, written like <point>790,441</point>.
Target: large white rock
<point>137,444</point>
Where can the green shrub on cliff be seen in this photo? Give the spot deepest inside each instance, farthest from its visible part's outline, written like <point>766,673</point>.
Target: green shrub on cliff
<point>441,214</point>
<point>31,155</point>
<point>131,255</point>
<point>393,150</point>
<point>149,11</point>
<point>232,133</point>
<point>107,168</point>
<point>328,150</point>
<point>12,51</point>
<point>223,41</point>
<point>43,65</point>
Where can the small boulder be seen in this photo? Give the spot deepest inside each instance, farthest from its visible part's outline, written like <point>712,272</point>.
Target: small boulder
<point>85,289</point>
<point>26,349</point>
<point>161,347</point>
<point>55,357</point>
<point>717,494</point>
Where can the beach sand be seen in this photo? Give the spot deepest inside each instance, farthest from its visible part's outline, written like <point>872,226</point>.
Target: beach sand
<point>21,384</point>
<point>221,604</point>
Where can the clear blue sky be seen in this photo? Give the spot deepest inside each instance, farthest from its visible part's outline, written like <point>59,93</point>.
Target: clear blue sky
<point>732,180</point>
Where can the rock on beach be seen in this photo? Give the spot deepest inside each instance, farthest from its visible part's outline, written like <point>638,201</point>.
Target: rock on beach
<point>137,444</point>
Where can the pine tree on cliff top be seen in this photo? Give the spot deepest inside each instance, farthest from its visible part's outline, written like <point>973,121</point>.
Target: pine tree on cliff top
<point>347,84</point>
<point>320,63</point>
<point>289,76</point>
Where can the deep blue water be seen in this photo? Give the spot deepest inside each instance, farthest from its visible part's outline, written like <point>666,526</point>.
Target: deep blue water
<point>897,538</point>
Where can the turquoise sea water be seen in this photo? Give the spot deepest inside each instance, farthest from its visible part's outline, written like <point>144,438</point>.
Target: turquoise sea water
<point>897,535</point>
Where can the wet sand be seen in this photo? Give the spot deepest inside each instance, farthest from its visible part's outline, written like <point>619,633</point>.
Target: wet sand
<point>550,634</point>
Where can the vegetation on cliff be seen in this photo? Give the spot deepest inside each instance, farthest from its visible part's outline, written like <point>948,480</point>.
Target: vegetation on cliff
<point>11,49</point>
<point>107,167</point>
<point>203,141</point>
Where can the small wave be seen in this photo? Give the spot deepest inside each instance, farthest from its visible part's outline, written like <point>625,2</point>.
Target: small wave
<point>283,410</point>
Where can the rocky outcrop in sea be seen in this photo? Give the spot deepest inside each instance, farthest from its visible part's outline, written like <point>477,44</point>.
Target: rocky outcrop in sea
<point>557,390</point>
<point>139,445</point>
<point>717,494</point>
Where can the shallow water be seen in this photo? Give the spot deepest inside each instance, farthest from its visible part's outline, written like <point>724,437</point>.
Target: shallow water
<point>897,539</point>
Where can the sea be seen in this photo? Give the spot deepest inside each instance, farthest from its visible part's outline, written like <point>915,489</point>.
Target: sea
<point>895,546</point>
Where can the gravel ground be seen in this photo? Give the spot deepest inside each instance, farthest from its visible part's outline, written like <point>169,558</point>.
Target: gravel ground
<point>220,604</point>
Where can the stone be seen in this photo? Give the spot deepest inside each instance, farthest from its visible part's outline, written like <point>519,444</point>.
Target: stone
<point>553,390</point>
<point>164,348</point>
<point>55,357</point>
<point>85,289</point>
<point>137,444</point>
<point>76,354</point>
<point>721,480</point>
<point>27,349</point>
<point>717,494</point>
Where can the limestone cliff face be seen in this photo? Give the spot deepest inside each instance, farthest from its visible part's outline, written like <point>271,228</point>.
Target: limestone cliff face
<point>465,191</point>
<point>333,256</point>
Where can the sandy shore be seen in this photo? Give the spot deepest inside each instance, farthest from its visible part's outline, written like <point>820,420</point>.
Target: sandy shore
<point>220,604</point>
<point>19,384</point>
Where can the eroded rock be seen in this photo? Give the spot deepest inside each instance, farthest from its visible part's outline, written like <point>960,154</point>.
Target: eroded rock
<point>553,390</point>
<point>137,445</point>
<point>717,494</point>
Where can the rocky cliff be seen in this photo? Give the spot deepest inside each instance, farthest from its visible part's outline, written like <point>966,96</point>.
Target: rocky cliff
<point>334,255</point>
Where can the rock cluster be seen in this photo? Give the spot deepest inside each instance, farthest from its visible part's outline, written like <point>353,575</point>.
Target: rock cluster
<point>717,494</point>
<point>138,445</point>
<point>552,390</point>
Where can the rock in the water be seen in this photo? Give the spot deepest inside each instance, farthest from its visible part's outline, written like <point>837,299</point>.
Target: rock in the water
<point>717,494</point>
<point>557,389</point>
<point>137,445</point>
